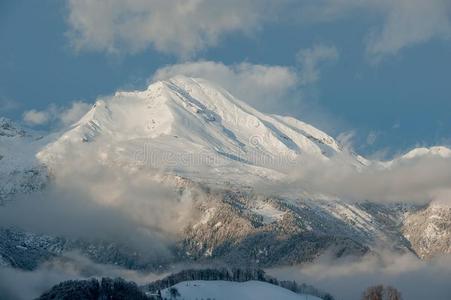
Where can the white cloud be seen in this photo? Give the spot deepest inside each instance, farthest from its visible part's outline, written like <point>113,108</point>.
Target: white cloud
<point>397,23</point>
<point>187,27</point>
<point>310,60</point>
<point>409,22</point>
<point>348,277</point>
<point>35,117</point>
<point>260,85</point>
<point>74,112</point>
<point>418,180</point>
<point>53,113</point>
<point>180,27</point>
<point>346,139</point>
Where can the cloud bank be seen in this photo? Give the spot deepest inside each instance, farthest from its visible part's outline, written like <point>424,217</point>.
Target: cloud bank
<point>24,285</point>
<point>177,27</point>
<point>407,23</point>
<point>91,199</point>
<point>194,25</point>
<point>348,278</point>
<point>416,180</point>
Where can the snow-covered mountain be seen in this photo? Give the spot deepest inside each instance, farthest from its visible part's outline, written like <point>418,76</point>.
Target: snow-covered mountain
<point>184,124</point>
<point>432,151</point>
<point>191,133</point>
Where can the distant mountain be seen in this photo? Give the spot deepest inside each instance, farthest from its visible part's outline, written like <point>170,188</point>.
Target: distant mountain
<point>20,171</point>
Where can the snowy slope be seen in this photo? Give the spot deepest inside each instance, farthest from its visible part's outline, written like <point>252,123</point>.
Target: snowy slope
<point>416,153</point>
<point>432,151</point>
<point>20,171</point>
<point>226,290</point>
<point>184,124</point>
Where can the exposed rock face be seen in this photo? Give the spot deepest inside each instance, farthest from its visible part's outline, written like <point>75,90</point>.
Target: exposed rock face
<point>247,229</point>
<point>429,230</point>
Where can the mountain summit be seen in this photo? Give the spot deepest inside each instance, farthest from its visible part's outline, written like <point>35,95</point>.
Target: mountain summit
<point>185,123</point>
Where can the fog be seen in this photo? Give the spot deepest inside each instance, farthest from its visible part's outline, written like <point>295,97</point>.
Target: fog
<point>347,278</point>
<point>417,180</point>
<point>18,284</point>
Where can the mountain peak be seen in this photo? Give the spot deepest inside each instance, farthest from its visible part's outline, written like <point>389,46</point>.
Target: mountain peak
<point>184,115</point>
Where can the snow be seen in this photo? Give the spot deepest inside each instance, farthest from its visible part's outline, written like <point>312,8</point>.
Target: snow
<point>268,212</point>
<point>193,128</point>
<point>434,151</point>
<point>19,169</point>
<point>206,216</point>
<point>226,290</point>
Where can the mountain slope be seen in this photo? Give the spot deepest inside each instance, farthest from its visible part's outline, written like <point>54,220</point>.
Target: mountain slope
<point>198,289</point>
<point>191,135</point>
<point>184,124</point>
<point>20,171</point>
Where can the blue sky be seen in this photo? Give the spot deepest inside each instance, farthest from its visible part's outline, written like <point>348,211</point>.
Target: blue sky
<point>375,73</point>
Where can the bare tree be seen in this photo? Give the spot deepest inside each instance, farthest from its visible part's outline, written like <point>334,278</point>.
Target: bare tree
<point>373,293</point>
<point>392,293</point>
<point>174,292</point>
<point>379,292</point>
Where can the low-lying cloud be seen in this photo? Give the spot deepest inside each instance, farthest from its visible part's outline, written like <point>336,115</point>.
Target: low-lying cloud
<point>348,278</point>
<point>91,199</point>
<point>18,284</point>
<point>417,180</point>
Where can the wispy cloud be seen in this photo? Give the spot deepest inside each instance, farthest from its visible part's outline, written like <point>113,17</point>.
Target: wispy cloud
<point>347,278</point>
<point>35,117</point>
<point>407,23</point>
<point>310,60</point>
<point>414,180</point>
<point>134,25</point>
<point>59,114</point>
<point>177,27</point>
